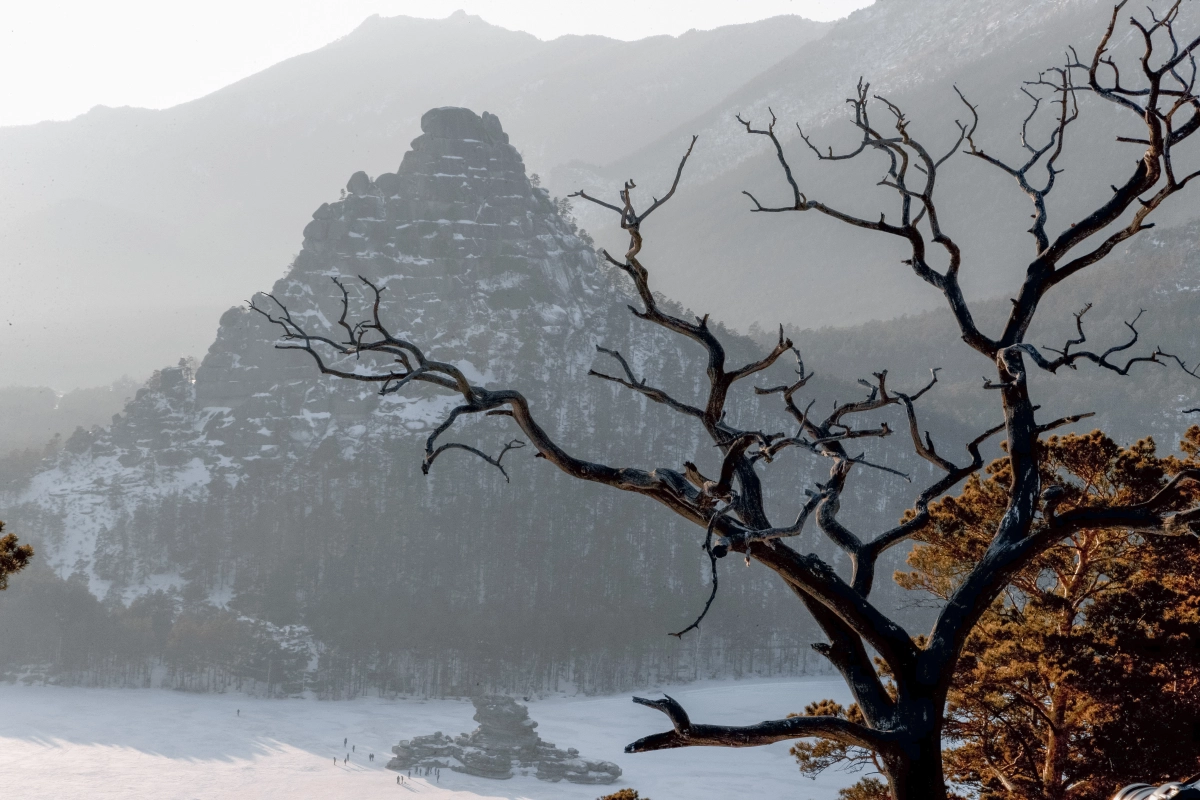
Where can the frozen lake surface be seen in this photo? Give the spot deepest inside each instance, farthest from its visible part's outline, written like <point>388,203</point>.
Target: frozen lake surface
<point>127,743</point>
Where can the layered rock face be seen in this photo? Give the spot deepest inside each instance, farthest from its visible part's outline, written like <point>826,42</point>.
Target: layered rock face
<point>474,261</point>
<point>504,741</point>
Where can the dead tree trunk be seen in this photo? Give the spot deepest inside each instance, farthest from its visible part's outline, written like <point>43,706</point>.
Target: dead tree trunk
<point>901,723</point>
<point>916,771</point>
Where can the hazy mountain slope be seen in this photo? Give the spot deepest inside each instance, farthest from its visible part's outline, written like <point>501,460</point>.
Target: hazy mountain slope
<point>1158,275</point>
<point>30,417</point>
<point>128,220</point>
<point>896,45</point>
<point>712,253</point>
<point>197,205</point>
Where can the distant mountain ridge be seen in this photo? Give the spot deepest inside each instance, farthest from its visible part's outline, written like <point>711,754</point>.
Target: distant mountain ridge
<point>196,206</point>
<point>914,53</point>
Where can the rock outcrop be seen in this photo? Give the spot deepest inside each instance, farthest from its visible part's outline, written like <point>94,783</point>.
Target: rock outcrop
<point>504,743</point>
<point>474,260</point>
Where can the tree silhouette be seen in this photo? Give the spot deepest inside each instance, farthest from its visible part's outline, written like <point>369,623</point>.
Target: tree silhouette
<point>902,726</point>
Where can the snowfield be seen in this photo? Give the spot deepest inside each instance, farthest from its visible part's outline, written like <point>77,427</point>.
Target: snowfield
<point>113,743</point>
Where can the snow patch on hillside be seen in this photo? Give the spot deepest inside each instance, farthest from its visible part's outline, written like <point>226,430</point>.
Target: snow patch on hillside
<point>91,493</point>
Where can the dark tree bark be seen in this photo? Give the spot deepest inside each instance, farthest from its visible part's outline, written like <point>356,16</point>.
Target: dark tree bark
<point>902,722</point>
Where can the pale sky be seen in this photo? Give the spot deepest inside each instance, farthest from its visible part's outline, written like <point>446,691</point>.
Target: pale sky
<point>60,58</point>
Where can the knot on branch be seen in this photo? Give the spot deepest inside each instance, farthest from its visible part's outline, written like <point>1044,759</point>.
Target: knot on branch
<point>1012,368</point>
<point>711,492</point>
<point>1052,497</point>
<point>1185,523</point>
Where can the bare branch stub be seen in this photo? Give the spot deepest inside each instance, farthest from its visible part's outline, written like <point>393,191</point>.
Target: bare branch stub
<point>712,559</point>
<point>629,381</point>
<point>1069,358</point>
<point>515,444</point>
<point>685,733</point>
<point>904,156</point>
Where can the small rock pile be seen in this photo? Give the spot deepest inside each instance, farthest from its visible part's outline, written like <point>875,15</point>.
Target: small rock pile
<point>505,742</point>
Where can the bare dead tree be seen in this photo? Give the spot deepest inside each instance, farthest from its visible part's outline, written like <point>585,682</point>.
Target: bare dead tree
<point>902,722</point>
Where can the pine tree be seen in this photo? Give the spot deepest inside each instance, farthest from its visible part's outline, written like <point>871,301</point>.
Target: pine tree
<point>1084,674</point>
<point>13,557</point>
<point>866,789</point>
<point>623,794</point>
<point>816,756</point>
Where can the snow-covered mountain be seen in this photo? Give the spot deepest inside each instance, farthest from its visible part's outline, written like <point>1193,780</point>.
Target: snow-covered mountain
<point>472,258</point>
<point>255,483</point>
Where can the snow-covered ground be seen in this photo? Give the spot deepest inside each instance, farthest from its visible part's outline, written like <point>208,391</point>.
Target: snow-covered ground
<point>112,743</point>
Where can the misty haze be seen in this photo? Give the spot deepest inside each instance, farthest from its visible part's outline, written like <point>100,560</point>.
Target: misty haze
<point>821,377</point>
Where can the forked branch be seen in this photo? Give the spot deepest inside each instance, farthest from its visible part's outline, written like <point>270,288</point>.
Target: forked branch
<point>1069,357</point>
<point>911,170</point>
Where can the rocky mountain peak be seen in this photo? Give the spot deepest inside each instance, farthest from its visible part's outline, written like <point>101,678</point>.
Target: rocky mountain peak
<point>473,259</point>
<point>450,122</point>
<point>475,262</point>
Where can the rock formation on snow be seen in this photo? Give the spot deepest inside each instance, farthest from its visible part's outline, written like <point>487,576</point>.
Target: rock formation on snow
<point>504,741</point>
